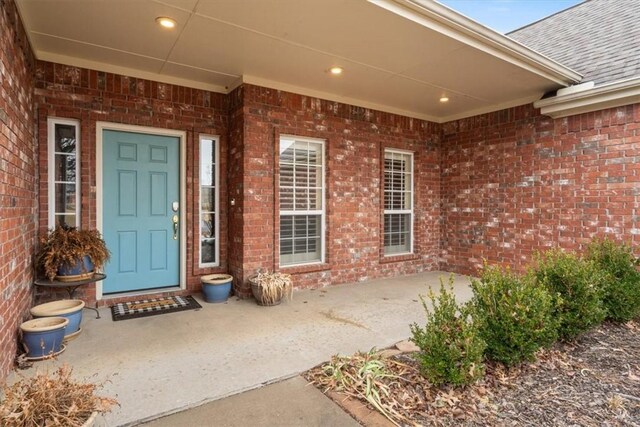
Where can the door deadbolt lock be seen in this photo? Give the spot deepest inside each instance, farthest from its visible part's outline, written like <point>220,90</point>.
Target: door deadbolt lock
<point>175,227</point>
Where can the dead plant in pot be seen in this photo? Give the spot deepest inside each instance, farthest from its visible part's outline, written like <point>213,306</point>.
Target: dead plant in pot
<point>269,288</point>
<point>52,400</point>
<point>68,253</point>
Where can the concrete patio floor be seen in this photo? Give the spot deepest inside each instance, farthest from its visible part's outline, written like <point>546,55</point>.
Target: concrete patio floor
<point>164,364</point>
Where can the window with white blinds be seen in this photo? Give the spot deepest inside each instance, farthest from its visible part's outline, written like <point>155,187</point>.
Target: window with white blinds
<point>301,190</point>
<point>398,202</point>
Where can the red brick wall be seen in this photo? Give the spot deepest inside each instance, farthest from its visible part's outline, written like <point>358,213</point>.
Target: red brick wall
<point>90,96</point>
<point>355,142</point>
<point>18,185</point>
<point>235,179</point>
<point>514,182</point>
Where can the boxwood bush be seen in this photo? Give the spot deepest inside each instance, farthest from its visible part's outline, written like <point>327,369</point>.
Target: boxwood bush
<point>451,350</point>
<point>621,286</point>
<point>575,285</point>
<point>515,316</point>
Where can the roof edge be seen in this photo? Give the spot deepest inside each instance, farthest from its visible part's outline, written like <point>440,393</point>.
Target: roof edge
<point>611,95</point>
<point>446,21</point>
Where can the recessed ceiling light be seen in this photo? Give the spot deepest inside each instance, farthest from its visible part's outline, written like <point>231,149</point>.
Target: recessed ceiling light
<point>444,99</point>
<point>336,71</point>
<point>166,22</point>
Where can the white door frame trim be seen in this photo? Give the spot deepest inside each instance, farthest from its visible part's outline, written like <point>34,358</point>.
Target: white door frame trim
<point>182,137</point>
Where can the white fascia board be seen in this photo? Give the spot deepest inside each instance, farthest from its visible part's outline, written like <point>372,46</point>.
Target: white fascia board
<point>611,95</point>
<point>450,23</point>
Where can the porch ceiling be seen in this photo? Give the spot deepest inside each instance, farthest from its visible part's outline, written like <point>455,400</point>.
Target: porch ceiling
<point>398,56</point>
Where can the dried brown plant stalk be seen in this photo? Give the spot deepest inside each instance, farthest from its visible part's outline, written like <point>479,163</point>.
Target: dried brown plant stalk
<point>51,400</point>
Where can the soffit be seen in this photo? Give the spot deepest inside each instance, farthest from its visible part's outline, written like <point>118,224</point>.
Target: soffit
<point>390,62</point>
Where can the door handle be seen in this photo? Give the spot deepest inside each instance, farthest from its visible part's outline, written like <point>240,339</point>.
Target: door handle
<point>175,227</point>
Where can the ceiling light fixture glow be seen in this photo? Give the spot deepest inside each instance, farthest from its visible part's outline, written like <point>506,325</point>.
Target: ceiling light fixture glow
<point>444,99</point>
<point>166,22</point>
<point>336,71</point>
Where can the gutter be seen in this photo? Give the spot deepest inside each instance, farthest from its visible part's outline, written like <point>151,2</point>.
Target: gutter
<point>623,92</point>
<point>446,21</point>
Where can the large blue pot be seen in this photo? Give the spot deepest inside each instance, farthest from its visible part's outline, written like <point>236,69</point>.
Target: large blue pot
<point>42,338</point>
<point>83,267</point>
<point>68,308</point>
<point>216,287</point>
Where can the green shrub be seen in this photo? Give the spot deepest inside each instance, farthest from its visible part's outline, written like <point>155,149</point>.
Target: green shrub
<point>451,351</point>
<point>621,293</point>
<point>514,315</point>
<point>575,286</point>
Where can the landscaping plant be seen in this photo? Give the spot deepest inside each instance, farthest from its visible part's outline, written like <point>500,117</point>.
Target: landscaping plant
<point>363,376</point>
<point>575,285</point>
<point>514,316</point>
<point>51,400</point>
<point>273,287</point>
<point>66,245</point>
<point>451,350</point>
<point>621,293</point>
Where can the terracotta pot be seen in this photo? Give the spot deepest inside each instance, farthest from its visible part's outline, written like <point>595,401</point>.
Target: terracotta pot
<point>256,290</point>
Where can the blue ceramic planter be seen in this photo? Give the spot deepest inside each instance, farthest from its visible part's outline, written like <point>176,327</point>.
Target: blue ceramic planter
<point>81,267</point>
<point>70,309</point>
<point>216,287</point>
<point>42,338</point>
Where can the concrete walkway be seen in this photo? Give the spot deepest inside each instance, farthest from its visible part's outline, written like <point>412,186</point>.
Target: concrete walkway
<point>290,403</point>
<point>164,364</point>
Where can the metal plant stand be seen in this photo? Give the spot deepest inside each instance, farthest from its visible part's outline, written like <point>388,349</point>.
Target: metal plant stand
<point>71,287</point>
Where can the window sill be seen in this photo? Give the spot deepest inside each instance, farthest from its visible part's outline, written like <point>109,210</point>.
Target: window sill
<point>398,258</point>
<point>301,269</point>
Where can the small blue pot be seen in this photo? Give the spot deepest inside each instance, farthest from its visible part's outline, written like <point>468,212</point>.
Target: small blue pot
<point>216,287</point>
<point>68,308</point>
<point>42,338</point>
<point>83,266</point>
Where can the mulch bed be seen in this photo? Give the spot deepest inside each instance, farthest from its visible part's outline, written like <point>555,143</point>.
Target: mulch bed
<point>594,381</point>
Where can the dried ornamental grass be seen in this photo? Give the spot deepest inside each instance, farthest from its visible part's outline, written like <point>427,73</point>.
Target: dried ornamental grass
<point>274,286</point>
<point>51,400</point>
<point>363,376</point>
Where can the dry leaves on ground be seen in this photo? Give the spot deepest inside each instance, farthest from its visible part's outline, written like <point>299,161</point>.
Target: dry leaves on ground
<point>594,381</point>
<point>51,400</point>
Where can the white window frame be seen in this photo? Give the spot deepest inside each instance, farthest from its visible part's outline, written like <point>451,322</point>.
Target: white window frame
<point>51,159</point>
<point>216,213</point>
<point>400,211</point>
<point>321,212</point>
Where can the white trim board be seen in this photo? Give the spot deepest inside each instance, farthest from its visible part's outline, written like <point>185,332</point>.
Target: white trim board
<point>610,95</point>
<point>182,137</point>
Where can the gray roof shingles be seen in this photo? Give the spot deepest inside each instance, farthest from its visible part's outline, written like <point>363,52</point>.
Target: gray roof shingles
<point>600,39</point>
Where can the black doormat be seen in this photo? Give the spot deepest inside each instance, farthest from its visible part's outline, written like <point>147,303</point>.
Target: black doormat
<point>152,307</point>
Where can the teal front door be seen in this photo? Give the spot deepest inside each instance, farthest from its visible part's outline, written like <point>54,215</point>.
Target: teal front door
<point>140,210</point>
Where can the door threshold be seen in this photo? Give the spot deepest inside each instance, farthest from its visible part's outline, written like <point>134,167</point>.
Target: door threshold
<point>139,293</point>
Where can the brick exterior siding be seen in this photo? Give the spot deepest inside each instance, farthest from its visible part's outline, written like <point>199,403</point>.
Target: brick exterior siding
<point>18,181</point>
<point>355,142</point>
<point>496,186</point>
<point>90,96</point>
<point>514,182</point>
